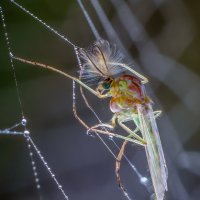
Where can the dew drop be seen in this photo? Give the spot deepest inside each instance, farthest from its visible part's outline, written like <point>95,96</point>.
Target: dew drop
<point>26,132</point>
<point>38,186</point>
<point>110,137</point>
<point>143,180</point>
<point>24,121</point>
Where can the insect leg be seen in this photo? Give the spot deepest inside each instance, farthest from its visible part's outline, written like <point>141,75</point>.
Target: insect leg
<point>63,73</point>
<point>132,133</point>
<point>100,125</point>
<point>144,79</point>
<point>111,134</point>
<point>120,121</point>
<point>118,165</point>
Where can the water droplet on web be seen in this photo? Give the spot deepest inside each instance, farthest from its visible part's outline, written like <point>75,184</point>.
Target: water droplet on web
<point>110,137</point>
<point>60,187</point>
<point>26,132</point>
<point>143,180</point>
<point>24,121</point>
<point>38,186</point>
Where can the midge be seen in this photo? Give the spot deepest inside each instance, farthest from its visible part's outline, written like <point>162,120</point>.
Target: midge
<point>103,65</point>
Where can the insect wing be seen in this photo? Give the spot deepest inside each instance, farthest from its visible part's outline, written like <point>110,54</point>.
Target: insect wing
<point>154,151</point>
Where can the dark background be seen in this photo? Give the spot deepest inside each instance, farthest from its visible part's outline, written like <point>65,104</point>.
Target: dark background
<point>163,38</point>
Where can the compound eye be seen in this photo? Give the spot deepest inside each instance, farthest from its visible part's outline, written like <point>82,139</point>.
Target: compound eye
<point>106,85</point>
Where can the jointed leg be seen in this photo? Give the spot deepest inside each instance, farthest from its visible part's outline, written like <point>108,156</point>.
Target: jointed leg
<point>100,131</point>
<point>116,136</point>
<point>144,79</point>
<point>118,165</point>
<point>100,125</point>
<point>63,73</point>
<point>136,141</point>
<point>132,133</point>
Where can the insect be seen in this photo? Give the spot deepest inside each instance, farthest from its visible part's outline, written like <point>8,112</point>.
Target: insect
<point>104,65</point>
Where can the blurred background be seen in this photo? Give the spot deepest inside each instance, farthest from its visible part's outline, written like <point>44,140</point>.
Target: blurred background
<point>160,37</point>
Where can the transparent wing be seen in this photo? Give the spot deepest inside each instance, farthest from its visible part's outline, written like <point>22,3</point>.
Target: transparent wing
<point>154,151</point>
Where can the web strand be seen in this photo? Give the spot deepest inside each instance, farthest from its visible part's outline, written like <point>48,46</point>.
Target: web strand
<point>34,168</point>
<point>44,24</point>
<point>26,133</point>
<point>94,30</point>
<point>47,167</point>
<point>11,60</point>
<point>7,132</point>
<point>23,122</point>
<point>89,20</point>
<point>10,131</point>
<point>161,76</point>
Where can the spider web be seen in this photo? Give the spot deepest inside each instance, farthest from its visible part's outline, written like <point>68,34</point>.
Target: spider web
<point>152,57</point>
<point>26,133</point>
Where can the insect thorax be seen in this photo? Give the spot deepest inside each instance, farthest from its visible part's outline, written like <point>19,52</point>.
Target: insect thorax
<point>126,92</point>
